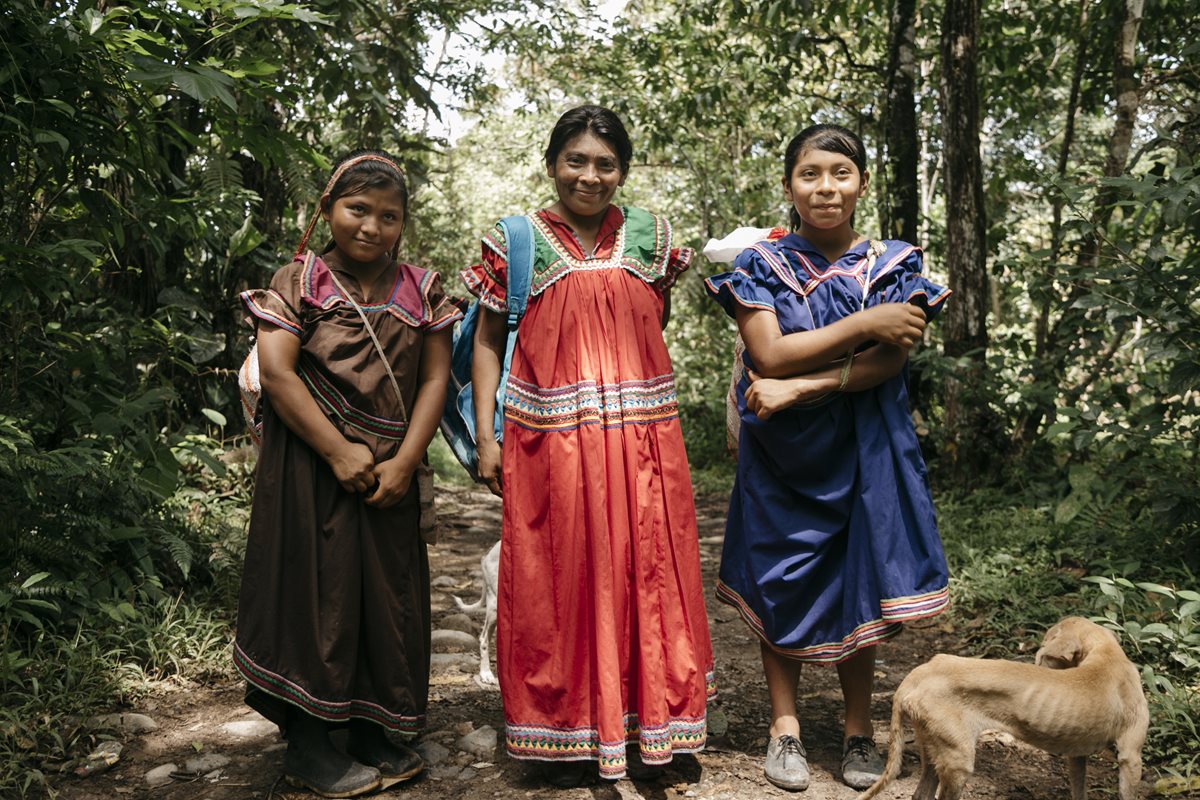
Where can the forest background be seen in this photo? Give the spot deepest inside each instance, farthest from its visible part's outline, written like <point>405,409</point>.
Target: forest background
<point>159,157</point>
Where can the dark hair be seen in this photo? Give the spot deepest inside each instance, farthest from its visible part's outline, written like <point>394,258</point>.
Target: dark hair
<point>601,122</point>
<point>371,173</point>
<point>831,139</point>
<point>376,169</point>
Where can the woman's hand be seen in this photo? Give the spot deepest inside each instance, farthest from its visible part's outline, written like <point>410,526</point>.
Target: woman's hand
<point>900,324</point>
<point>393,479</point>
<point>488,455</point>
<point>354,467</point>
<point>767,396</point>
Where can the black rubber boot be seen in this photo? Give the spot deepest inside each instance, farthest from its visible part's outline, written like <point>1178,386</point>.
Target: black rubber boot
<point>369,744</point>
<point>312,762</point>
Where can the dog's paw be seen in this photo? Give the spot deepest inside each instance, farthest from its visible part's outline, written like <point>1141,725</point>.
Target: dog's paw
<point>486,680</point>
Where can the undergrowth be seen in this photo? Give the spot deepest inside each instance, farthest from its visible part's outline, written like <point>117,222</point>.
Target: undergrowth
<point>1016,568</point>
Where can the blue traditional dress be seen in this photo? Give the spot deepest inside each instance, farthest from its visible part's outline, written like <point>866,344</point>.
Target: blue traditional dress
<point>831,541</point>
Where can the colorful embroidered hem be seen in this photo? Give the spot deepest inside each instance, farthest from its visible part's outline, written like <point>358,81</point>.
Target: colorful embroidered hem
<point>893,613</point>
<point>279,687</point>
<point>656,745</point>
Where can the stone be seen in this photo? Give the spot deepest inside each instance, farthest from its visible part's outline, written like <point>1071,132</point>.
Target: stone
<point>205,762</point>
<point>467,774</point>
<point>453,641</point>
<point>725,614</point>
<point>129,723</point>
<point>432,752</point>
<point>251,728</point>
<point>444,582</point>
<point>101,759</point>
<point>458,622</point>
<point>160,775</point>
<point>480,743</point>
<point>451,661</point>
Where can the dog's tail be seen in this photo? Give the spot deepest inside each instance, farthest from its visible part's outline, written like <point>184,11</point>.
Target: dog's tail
<point>476,606</point>
<point>895,751</point>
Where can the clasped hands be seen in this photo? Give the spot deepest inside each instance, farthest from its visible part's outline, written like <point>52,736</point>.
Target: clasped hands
<point>384,484</point>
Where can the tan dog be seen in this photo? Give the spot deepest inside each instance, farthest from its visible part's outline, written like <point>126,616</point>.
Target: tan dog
<point>1089,699</point>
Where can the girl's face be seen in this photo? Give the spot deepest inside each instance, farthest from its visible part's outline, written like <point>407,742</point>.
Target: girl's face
<point>366,226</point>
<point>586,173</point>
<point>824,188</point>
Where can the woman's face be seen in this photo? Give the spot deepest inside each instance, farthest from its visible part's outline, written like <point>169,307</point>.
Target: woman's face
<point>824,188</point>
<point>587,173</point>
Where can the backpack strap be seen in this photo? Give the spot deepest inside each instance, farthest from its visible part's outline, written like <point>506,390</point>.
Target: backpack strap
<point>518,238</point>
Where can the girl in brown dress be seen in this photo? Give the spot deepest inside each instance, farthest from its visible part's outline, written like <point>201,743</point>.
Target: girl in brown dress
<point>333,619</point>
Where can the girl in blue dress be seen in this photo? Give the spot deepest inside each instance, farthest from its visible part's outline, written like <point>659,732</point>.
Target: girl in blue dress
<point>831,542</point>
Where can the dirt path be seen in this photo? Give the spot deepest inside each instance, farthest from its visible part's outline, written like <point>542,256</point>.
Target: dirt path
<point>212,723</point>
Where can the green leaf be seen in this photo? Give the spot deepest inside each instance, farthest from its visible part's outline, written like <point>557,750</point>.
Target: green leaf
<point>204,84</point>
<point>35,579</point>
<point>244,240</point>
<point>46,137</point>
<point>1157,588</point>
<point>216,417</point>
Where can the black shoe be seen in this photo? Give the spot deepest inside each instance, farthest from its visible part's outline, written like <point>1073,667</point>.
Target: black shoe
<point>640,771</point>
<point>312,762</point>
<point>566,774</point>
<point>396,762</point>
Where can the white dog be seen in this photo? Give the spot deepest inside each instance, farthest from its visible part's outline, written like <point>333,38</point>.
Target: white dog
<point>491,579</point>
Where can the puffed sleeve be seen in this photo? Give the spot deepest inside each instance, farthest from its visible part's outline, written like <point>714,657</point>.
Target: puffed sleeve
<point>906,284</point>
<point>749,284</point>
<point>679,261</point>
<point>443,311</point>
<point>278,305</point>
<point>488,280</point>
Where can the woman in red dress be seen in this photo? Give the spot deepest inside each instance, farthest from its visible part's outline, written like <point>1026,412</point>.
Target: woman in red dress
<point>602,636</point>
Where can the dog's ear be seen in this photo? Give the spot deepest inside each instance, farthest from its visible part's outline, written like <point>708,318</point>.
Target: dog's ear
<point>1059,650</point>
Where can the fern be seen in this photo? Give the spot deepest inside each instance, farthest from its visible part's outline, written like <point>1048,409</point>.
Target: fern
<point>220,175</point>
<point>181,552</point>
<point>298,183</point>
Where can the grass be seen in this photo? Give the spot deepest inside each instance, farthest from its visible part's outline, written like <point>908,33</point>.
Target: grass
<point>101,666</point>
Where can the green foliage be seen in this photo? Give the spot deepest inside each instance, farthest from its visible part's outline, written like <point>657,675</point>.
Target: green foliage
<point>100,665</point>
<point>1160,627</point>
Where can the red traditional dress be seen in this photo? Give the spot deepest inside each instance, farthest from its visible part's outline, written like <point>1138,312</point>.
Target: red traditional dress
<point>602,636</point>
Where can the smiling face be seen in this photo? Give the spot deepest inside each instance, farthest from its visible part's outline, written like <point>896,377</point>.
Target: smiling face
<point>366,226</point>
<point>586,172</point>
<point>824,188</point>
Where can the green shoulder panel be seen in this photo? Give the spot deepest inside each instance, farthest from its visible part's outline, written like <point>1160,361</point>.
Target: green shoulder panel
<point>647,244</point>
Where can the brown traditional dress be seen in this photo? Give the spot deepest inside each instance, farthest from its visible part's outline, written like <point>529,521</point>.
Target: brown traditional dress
<point>334,608</point>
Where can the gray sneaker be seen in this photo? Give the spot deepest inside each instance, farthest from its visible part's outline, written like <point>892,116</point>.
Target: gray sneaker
<point>786,766</point>
<point>861,763</point>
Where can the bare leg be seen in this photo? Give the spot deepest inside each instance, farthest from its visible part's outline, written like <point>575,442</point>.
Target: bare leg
<point>783,676</point>
<point>857,676</point>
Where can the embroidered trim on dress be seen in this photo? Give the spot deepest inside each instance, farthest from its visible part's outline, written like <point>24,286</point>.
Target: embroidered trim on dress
<point>656,745</point>
<point>266,314</point>
<point>341,711</point>
<point>893,613</point>
<point>327,395</point>
<point>588,403</point>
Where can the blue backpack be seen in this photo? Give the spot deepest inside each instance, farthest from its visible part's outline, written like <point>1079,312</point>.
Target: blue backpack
<point>458,416</point>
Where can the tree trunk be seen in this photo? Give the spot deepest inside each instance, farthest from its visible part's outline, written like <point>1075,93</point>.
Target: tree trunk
<point>968,420</point>
<point>966,257</point>
<point>901,206</point>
